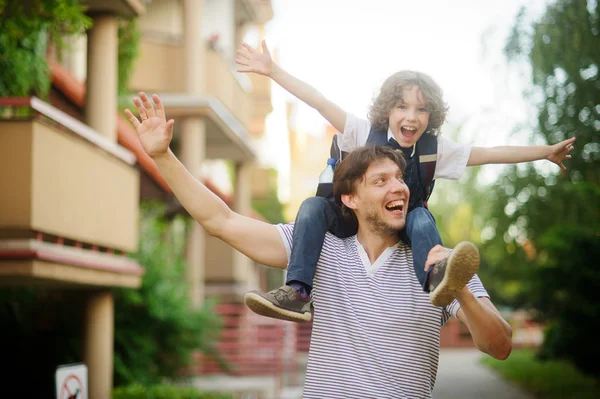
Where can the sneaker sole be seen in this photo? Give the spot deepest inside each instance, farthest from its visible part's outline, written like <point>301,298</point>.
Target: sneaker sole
<point>463,263</point>
<point>263,307</point>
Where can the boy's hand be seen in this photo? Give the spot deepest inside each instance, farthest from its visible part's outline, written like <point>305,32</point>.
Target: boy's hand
<point>253,61</point>
<point>435,255</point>
<point>154,132</point>
<point>560,151</point>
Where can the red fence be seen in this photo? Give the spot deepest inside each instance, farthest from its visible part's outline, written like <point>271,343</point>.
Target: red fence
<point>251,345</point>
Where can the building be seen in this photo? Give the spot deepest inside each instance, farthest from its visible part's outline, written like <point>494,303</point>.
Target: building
<point>69,221</point>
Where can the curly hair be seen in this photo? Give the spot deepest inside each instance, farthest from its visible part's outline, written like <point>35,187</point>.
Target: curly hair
<point>392,90</point>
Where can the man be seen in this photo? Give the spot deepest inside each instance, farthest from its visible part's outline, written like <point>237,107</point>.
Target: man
<point>375,333</point>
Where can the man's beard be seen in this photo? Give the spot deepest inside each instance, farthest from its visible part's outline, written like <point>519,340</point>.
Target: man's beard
<point>378,226</point>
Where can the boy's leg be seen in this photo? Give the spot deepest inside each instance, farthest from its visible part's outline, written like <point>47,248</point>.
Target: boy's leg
<point>423,235</point>
<point>292,301</point>
<point>316,216</point>
<point>445,279</point>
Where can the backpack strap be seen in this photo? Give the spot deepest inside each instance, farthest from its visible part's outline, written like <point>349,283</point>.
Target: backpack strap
<point>427,147</point>
<point>335,151</point>
<point>377,137</point>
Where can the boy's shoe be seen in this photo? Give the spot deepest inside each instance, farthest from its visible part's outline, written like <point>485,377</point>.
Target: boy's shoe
<point>284,303</point>
<point>450,275</point>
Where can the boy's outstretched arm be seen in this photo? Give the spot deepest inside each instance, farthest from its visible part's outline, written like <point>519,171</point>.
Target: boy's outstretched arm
<point>257,240</point>
<point>556,153</point>
<point>262,64</point>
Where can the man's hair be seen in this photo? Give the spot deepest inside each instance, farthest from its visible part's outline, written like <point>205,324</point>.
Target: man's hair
<point>351,171</point>
<point>392,92</point>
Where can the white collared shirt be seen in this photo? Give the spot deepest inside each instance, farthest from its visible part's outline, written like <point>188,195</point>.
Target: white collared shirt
<point>452,158</point>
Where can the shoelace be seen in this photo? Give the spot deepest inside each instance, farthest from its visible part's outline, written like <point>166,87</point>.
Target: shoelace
<point>280,294</point>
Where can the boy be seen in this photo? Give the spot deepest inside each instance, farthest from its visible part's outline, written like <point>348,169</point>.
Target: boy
<point>406,115</point>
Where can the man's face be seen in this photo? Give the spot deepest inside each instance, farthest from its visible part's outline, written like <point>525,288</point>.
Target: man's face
<point>409,118</point>
<point>381,198</point>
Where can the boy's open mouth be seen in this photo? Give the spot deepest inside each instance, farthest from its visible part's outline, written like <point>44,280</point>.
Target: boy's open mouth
<point>396,207</point>
<point>408,131</point>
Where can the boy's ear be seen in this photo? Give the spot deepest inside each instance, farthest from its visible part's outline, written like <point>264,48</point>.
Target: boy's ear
<point>349,200</point>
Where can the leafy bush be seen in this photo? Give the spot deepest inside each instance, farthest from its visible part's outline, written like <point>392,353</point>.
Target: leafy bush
<point>25,31</point>
<point>156,327</point>
<point>547,379</point>
<point>137,391</point>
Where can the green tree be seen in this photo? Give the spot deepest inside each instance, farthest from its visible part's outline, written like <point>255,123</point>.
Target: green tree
<point>547,226</point>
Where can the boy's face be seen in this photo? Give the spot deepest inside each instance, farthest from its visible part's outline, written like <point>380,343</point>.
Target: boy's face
<point>410,117</point>
<point>381,198</point>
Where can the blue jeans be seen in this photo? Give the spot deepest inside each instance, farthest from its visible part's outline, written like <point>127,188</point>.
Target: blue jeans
<point>316,216</point>
<point>423,235</point>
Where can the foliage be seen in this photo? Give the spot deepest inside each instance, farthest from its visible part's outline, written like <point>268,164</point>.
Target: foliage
<point>547,379</point>
<point>25,30</point>
<point>137,391</point>
<point>547,227</point>
<point>157,329</point>
<point>129,37</point>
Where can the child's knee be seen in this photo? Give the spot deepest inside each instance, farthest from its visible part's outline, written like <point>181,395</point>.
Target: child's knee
<point>420,220</point>
<point>312,207</point>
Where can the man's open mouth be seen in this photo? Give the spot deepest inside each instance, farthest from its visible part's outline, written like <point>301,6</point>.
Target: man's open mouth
<point>396,207</point>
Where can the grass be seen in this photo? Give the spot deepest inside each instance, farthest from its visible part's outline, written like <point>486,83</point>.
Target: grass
<point>548,380</point>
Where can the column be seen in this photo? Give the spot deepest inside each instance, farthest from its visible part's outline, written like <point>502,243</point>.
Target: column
<point>98,343</point>
<point>193,138</point>
<point>102,76</point>
<point>242,265</point>
<point>193,148</point>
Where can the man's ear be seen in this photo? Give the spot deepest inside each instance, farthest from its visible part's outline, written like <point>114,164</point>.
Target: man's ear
<point>349,200</point>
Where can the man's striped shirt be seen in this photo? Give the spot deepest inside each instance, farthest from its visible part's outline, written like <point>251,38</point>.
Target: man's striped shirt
<point>375,333</point>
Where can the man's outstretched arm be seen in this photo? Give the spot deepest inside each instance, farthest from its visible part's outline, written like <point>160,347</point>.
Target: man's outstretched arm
<point>491,333</point>
<point>257,240</point>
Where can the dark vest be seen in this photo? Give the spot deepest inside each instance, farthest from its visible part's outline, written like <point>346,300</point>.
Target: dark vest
<point>419,172</point>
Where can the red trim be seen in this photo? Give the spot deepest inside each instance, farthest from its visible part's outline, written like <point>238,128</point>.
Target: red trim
<point>71,260</point>
<point>15,101</point>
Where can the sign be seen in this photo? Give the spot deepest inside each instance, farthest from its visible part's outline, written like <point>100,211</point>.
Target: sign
<point>71,381</point>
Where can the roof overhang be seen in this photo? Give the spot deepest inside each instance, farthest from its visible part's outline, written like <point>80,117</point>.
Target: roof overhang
<point>126,8</point>
<point>226,137</point>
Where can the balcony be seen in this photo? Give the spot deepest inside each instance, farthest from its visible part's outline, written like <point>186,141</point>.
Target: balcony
<point>69,202</point>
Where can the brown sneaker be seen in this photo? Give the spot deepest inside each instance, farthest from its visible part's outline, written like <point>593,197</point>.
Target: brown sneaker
<point>450,275</point>
<point>283,303</point>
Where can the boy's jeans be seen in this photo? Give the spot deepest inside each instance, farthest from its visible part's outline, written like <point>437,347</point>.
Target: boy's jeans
<point>423,235</point>
<point>318,215</point>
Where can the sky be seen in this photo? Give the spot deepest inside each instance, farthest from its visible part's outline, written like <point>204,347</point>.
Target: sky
<point>346,49</point>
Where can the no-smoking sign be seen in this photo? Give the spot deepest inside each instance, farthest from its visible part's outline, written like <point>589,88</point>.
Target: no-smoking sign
<point>71,381</point>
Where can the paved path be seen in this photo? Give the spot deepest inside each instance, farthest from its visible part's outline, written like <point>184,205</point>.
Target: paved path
<point>461,376</point>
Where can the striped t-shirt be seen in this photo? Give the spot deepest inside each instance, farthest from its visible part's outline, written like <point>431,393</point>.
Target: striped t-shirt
<point>375,334</point>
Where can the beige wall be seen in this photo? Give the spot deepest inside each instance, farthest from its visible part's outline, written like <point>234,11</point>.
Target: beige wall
<point>59,184</point>
<point>218,260</point>
<point>159,68</point>
<point>162,20</point>
<point>308,155</point>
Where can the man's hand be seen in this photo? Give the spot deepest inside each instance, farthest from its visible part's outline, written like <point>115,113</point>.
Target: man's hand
<point>560,151</point>
<point>435,255</point>
<point>254,61</point>
<point>154,132</point>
